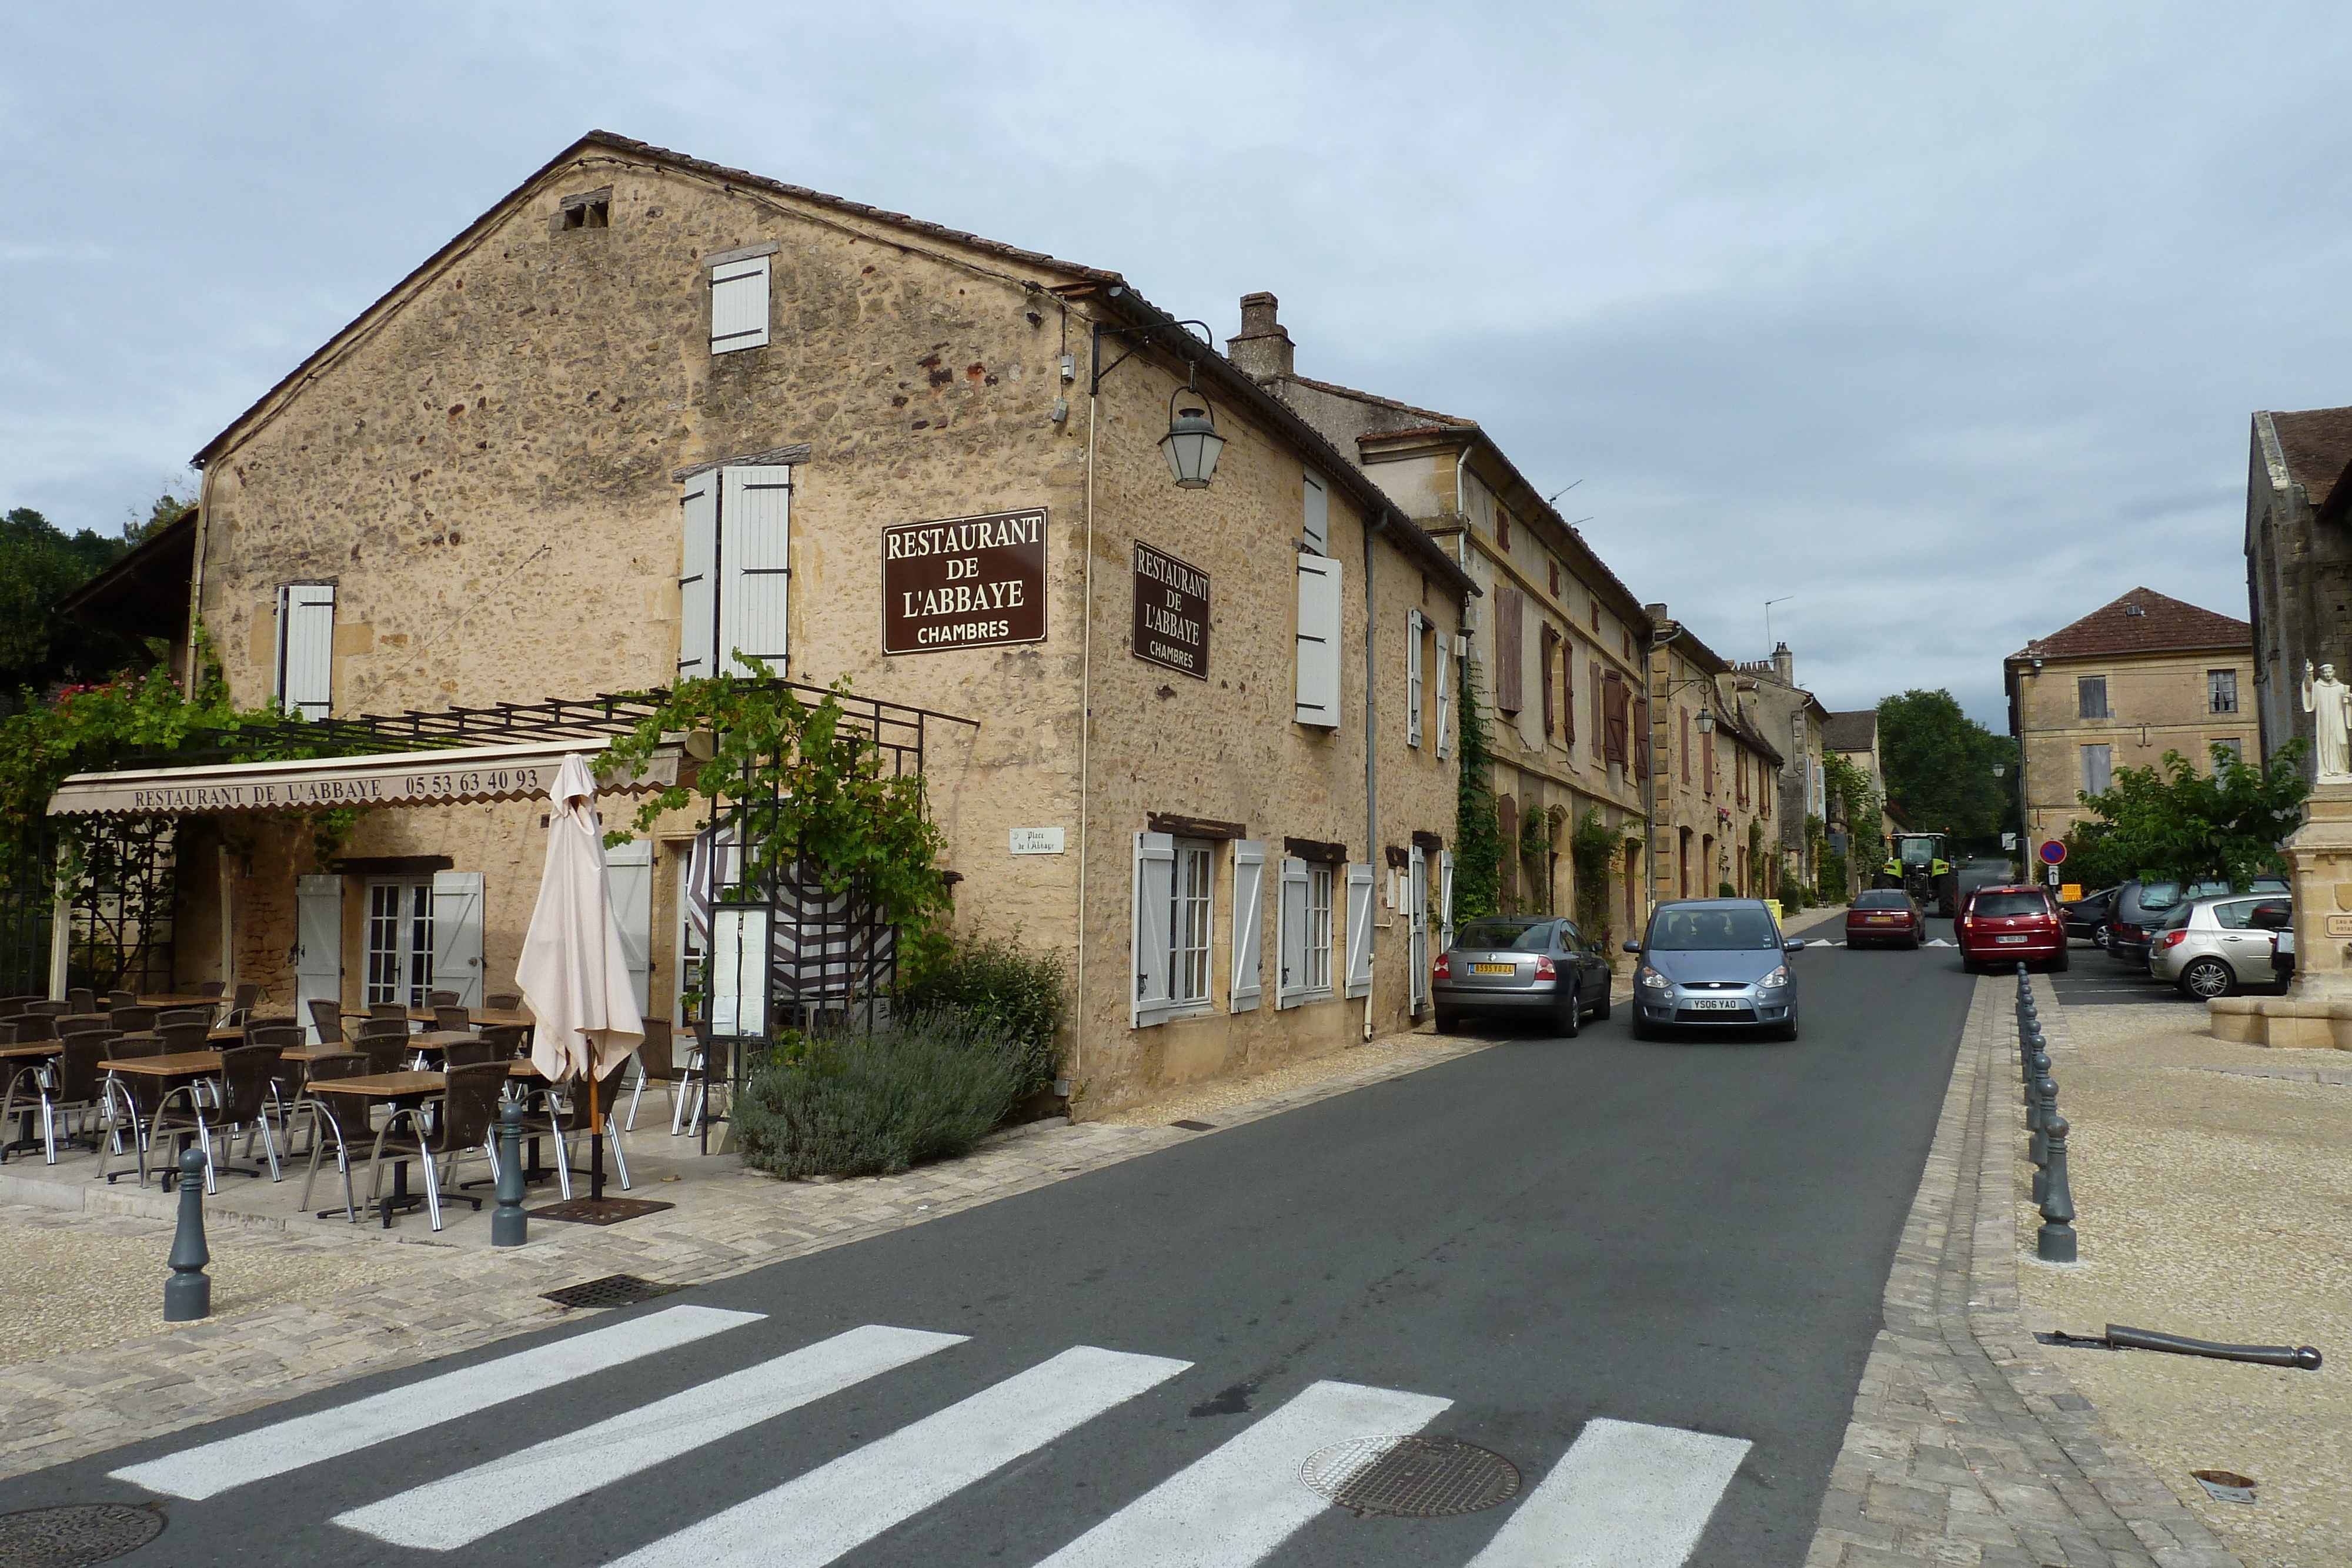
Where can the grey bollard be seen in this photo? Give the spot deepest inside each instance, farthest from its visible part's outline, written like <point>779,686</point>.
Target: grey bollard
<point>509,1226</point>
<point>2055,1243</point>
<point>188,1293</point>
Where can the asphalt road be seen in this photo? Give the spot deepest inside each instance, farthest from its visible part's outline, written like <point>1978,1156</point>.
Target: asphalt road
<point>1688,1237</point>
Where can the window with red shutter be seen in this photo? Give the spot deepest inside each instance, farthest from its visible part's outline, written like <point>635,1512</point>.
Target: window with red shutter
<point>1616,706</point>
<point>1642,738</point>
<point>1549,642</point>
<point>1683,745</point>
<point>1509,653</point>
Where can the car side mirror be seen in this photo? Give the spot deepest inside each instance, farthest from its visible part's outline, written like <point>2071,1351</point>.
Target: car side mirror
<point>1632,946</point>
<point>1793,944</point>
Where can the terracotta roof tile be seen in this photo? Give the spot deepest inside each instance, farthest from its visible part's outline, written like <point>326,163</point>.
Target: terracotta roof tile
<point>2317,444</point>
<point>2163,624</point>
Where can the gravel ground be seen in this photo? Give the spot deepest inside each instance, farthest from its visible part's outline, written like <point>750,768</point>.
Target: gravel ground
<point>77,1282</point>
<point>2216,1204</point>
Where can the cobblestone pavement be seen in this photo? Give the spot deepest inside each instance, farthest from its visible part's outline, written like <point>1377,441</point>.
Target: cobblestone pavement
<point>1966,1445</point>
<point>404,1299</point>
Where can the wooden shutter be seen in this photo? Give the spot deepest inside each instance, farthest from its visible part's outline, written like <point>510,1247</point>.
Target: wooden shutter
<point>318,945</point>
<point>1413,623</point>
<point>306,649</point>
<point>1359,930</point>
<point>1445,899</point>
<point>1567,693</point>
<point>1616,700</point>
<point>1319,641</point>
<point>1510,683</point>
<point>1706,759</point>
<point>1155,890</point>
<point>1249,905</point>
<point>1683,745</point>
<point>629,871</point>
<point>1291,935</point>
<point>1416,918</point>
<point>698,578</point>
<point>1444,697</point>
<point>1316,525</point>
<point>738,304</point>
<point>1642,738</point>
<point>458,934</point>
<point>1599,711</point>
<point>1549,642</point>
<point>755,526</point>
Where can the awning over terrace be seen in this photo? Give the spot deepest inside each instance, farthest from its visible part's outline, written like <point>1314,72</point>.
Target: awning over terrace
<point>428,777</point>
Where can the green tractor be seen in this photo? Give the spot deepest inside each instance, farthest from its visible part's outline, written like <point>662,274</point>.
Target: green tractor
<point>1917,866</point>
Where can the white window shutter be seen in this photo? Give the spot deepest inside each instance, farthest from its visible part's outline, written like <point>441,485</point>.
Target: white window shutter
<point>1249,905</point>
<point>698,579</point>
<point>1359,930</point>
<point>1412,677</point>
<point>1155,890</point>
<point>755,528</point>
<point>306,649</point>
<point>1444,698</point>
<point>1292,987</point>
<point>1317,524</point>
<point>1444,899</point>
<point>1416,905</point>
<point>738,306</point>
<point>318,945</point>
<point>629,870</point>
<point>1319,641</point>
<point>458,934</point>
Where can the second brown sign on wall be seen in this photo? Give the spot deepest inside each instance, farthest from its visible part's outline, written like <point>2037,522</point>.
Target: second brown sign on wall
<point>1171,612</point>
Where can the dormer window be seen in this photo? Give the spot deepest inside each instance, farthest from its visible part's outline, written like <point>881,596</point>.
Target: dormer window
<point>589,210</point>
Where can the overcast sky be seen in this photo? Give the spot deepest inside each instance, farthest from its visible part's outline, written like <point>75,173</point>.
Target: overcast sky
<point>1945,320</point>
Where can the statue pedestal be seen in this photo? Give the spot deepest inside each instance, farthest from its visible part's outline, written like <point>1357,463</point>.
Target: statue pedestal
<point>2316,1012</point>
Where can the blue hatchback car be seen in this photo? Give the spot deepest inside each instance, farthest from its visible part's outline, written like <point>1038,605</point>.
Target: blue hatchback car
<point>1715,962</point>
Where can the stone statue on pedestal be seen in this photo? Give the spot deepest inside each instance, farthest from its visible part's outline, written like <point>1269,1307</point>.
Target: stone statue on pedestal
<point>2329,703</point>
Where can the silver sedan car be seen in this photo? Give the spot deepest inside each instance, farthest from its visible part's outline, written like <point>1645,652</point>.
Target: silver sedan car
<point>1521,966</point>
<point>2211,946</point>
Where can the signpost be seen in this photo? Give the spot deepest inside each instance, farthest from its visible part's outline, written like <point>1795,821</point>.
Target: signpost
<point>2054,856</point>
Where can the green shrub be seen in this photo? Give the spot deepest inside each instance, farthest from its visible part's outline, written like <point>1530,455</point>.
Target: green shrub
<point>995,980</point>
<point>1725,889</point>
<point>926,1088</point>
<point>1793,891</point>
<point>1829,878</point>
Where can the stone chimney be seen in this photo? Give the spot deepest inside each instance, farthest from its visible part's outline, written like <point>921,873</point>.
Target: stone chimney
<point>1262,351</point>
<point>1784,664</point>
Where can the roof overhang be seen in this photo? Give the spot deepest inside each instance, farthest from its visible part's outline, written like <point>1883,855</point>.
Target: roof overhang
<point>444,777</point>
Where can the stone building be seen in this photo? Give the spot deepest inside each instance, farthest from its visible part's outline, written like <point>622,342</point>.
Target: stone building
<point>1854,737</point>
<point>2137,677</point>
<point>2298,561</point>
<point>1799,725</point>
<point>1717,782</point>
<point>647,414</point>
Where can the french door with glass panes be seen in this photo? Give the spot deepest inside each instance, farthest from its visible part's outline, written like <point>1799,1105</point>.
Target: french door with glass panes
<point>399,942</point>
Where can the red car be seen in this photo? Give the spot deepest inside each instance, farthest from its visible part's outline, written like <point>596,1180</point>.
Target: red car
<point>1885,917</point>
<point>1999,927</point>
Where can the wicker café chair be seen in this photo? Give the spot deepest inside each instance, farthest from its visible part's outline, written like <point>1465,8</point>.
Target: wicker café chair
<point>467,1123</point>
<point>442,998</point>
<point>327,1017</point>
<point>451,1019</point>
<point>503,1001</point>
<point>326,1119</point>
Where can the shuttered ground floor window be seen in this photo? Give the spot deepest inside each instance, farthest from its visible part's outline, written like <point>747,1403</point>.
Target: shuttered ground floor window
<point>1187,953</point>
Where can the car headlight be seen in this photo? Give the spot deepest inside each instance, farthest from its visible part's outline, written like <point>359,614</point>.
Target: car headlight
<point>1778,976</point>
<point>1654,980</point>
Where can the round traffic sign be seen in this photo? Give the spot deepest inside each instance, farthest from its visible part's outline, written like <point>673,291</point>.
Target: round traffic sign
<point>2052,853</point>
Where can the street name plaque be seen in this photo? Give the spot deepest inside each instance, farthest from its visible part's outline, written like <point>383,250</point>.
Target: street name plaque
<point>1171,612</point>
<point>964,582</point>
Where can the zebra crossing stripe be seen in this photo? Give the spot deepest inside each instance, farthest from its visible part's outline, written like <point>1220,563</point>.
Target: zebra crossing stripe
<point>1623,1496</point>
<point>463,1507</point>
<point>1236,1505</point>
<point>213,1467</point>
<point>815,1517</point>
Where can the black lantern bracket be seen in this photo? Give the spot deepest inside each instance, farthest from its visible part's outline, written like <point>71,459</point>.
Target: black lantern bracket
<point>1135,339</point>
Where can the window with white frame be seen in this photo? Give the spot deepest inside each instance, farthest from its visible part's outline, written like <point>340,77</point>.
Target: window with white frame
<point>1303,934</point>
<point>734,585</point>
<point>1188,923</point>
<point>306,649</point>
<point>2098,769</point>
<point>1319,929</point>
<point>2221,690</point>
<point>399,942</point>
<point>738,298</point>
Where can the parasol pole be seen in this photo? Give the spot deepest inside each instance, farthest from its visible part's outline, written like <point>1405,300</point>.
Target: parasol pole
<point>595,1137</point>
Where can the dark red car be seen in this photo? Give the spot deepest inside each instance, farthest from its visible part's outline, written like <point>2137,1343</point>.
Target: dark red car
<point>1885,917</point>
<point>1999,927</point>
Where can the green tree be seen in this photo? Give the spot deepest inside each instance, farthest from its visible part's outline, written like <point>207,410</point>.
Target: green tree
<point>1477,834</point>
<point>2172,821</point>
<point>40,564</point>
<point>1865,831</point>
<point>1939,765</point>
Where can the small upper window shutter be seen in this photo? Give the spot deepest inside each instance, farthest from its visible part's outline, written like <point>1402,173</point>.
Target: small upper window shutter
<point>1155,886</point>
<point>1317,523</point>
<point>755,529</point>
<point>1319,641</point>
<point>1359,930</point>
<point>738,304</point>
<point>1509,657</point>
<point>1568,692</point>
<point>306,649</point>
<point>698,579</point>
<point>1444,914</point>
<point>1412,677</point>
<point>1249,905</point>
<point>1291,935</point>
<point>1444,698</point>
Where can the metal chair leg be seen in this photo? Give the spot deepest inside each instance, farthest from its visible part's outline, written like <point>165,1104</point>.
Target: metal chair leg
<point>432,1187</point>
<point>619,1155</point>
<point>269,1149</point>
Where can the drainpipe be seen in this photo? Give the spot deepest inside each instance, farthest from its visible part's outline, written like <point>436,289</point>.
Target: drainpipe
<point>1086,736</point>
<point>1375,524</point>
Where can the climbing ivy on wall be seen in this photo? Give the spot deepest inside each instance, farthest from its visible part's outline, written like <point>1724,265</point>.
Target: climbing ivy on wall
<point>1477,834</point>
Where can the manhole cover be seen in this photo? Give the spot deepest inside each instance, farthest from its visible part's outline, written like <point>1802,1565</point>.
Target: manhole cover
<point>612,1291</point>
<point>77,1535</point>
<point>1411,1477</point>
<point>599,1210</point>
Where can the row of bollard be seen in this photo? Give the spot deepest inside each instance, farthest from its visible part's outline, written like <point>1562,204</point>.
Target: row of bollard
<point>188,1293</point>
<point>2047,1145</point>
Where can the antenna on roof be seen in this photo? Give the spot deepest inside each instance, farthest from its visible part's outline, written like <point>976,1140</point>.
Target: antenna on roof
<point>1564,490</point>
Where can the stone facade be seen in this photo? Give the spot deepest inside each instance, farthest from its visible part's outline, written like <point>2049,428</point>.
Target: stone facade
<point>2298,561</point>
<point>486,467</point>
<point>1797,725</point>
<point>1715,794</point>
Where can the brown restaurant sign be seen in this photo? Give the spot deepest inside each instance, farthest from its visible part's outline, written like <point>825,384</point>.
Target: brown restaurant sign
<point>1171,612</point>
<point>965,582</point>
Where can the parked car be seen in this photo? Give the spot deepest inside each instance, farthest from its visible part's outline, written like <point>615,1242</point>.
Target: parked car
<point>1513,966</point>
<point>2008,925</point>
<point>2212,947</point>
<point>2087,916</point>
<point>1885,917</point>
<point>1715,961</point>
<point>2141,909</point>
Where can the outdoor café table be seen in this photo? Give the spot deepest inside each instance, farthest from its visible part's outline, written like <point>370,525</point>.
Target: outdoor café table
<point>176,999</point>
<point>386,1088</point>
<point>169,1072</point>
<point>12,1057</point>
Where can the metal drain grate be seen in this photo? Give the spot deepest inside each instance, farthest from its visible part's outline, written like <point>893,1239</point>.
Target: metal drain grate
<point>612,1291</point>
<point>1411,1477</point>
<point>1195,1126</point>
<point>76,1535</point>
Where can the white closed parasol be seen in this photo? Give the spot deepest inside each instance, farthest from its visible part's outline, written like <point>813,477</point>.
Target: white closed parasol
<point>573,973</point>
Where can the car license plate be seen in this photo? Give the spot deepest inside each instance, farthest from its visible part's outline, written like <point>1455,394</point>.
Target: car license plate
<point>2012,939</point>
<point>1494,968</point>
<point>1716,1004</point>
<point>1878,920</point>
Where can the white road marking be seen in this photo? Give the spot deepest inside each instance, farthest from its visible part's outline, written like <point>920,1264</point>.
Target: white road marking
<point>1941,942</point>
<point>1234,1505</point>
<point>815,1517</point>
<point>212,1468</point>
<point>463,1507</point>
<point>1623,1496</point>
